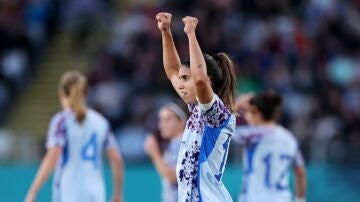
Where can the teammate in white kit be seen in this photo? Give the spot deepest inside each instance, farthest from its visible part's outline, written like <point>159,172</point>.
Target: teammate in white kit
<point>172,121</point>
<point>271,152</point>
<point>77,136</point>
<point>207,85</point>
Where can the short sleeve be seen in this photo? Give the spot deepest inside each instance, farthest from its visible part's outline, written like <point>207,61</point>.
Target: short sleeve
<point>246,135</point>
<point>56,135</point>
<point>110,141</point>
<point>299,160</point>
<point>215,112</point>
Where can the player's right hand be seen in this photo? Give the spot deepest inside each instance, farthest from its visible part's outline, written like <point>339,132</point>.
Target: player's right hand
<point>164,21</point>
<point>242,102</point>
<point>151,147</point>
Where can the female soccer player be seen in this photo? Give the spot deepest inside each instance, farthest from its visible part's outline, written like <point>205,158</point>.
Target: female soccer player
<point>76,138</point>
<point>206,84</point>
<point>271,152</point>
<point>172,121</point>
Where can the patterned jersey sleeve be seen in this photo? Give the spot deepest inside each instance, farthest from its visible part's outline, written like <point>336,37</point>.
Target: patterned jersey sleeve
<point>110,141</point>
<point>246,135</point>
<point>56,135</point>
<point>215,112</point>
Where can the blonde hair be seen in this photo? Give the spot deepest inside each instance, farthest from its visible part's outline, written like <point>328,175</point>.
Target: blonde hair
<point>74,85</point>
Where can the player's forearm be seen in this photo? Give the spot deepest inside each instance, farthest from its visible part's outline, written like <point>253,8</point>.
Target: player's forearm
<point>164,170</point>
<point>171,58</point>
<point>300,176</point>
<point>46,167</point>
<point>198,70</point>
<point>197,62</point>
<point>300,188</point>
<point>117,173</point>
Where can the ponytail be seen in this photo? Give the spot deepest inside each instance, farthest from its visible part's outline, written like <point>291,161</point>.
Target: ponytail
<point>77,102</point>
<point>222,75</point>
<point>74,85</point>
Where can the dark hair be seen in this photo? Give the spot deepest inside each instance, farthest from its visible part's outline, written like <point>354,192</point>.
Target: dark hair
<point>221,71</point>
<point>186,63</point>
<point>268,103</point>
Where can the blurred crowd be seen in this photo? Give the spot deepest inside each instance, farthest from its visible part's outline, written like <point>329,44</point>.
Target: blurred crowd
<point>26,26</point>
<point>308,50</point>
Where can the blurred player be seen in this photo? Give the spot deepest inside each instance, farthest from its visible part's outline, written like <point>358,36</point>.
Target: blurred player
<point>172,121</point>
<point>271,152</point>
<point>206,84</point>
<point>77,137</point>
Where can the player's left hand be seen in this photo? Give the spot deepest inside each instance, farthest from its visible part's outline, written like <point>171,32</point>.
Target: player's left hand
<point>190,24</point>
<point>151,146</point>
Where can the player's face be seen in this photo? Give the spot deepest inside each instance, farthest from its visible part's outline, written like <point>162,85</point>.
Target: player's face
<point>253,116</point>
<point>169,124</point>
<point>186,87</point>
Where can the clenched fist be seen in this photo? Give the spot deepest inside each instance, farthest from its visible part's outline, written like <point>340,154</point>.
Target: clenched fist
<point>151,146</point>
<point>164,21</point>
<point>190,24</point>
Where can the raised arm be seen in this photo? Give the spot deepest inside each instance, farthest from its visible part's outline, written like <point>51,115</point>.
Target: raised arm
<point>171,58</point>
<point>116,163</point>
<point>204,92</point>
<point>46,168</point>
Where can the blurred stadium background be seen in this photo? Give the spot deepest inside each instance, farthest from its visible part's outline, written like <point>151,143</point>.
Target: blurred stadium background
<point>309,50</point>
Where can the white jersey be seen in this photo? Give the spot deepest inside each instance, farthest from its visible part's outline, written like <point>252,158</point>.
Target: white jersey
<point>271,153</point>
<point>203,153</point>
<point>170,191</point>
<point>78,175</point>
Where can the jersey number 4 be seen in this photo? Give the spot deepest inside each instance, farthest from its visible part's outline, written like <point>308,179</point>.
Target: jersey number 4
<point>89,150</point>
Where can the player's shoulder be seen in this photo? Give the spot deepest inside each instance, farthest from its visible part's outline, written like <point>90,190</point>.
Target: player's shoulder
<point>286,134</point>
<point>59,117</point>
<point>95,116</point>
